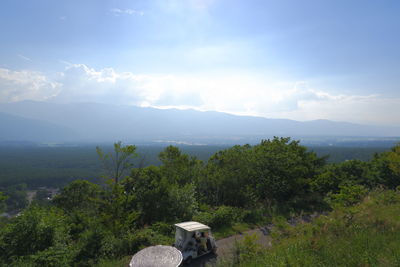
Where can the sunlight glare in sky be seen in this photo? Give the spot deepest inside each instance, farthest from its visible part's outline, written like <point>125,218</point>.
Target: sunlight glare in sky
<point>300,60</point>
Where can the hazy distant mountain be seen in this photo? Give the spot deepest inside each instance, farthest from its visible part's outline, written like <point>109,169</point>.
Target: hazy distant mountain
<point>101,122</point>
<point>15,128</point>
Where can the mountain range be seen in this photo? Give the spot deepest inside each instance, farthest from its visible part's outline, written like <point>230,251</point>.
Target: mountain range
<point>93,122</point>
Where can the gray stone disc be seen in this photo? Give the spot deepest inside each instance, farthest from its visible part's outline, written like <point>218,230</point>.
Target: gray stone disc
<point>157,256</point>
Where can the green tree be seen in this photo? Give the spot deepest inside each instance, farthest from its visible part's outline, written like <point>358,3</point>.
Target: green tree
<point>274,171</point>
<point>80,195</point>
<point>36,230</point>
<point>348,195</point>
<point>183,203</point>
<point>119,162</point>
<point>164,193</point>
<point>334,175</point>
<point>151,194</point>
<point>283,169</point>
<point>3,205</point>
<point>16,197</point>
<point>178,167</point>
<point>227,179</point>
<point>385,168</point>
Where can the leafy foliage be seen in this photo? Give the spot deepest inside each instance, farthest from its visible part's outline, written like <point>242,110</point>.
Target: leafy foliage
<point>334,175</point>
<point>89,224</point>
<point>246,249</point>
<point>385,168</point>
<point>37,234</point>
<point>363,235</point>
<point>16,197</point>
<point>39,166</point>
<point>119,162</point>
<point>3,199</point>
<point>79,195</point>
<point>348,195</point>
<point>277,170</point>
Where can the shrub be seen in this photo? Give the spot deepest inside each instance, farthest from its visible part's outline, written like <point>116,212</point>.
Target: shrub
<point>348,195</point>
<point>204,217</point>
<point>246,249</point>
<point>54,257</point>
<point>388,197</point>
<point>36,230</point>
<point>163,228</point>
<point>221,216</point>
<point>371,239</point>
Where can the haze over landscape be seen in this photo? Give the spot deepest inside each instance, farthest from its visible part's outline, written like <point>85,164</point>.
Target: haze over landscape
<point>292,60</point>
<point>130,125</point>
<point>91,122</point>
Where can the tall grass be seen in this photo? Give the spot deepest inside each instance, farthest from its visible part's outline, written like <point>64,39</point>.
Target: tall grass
<point>367,234</point>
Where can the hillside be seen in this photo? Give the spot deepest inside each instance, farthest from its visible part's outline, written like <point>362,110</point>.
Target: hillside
<point>16,128</point>
<point>367,234</point>
<point>100,122</point>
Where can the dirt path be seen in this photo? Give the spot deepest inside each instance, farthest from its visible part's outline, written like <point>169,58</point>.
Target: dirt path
<point>226,245</point>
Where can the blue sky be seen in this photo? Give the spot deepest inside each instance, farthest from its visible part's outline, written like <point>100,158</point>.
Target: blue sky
<point>303,60</point>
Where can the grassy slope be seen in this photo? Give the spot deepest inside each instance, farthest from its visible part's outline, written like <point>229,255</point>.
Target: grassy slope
<point>364,235</point>
<point>367,234</point>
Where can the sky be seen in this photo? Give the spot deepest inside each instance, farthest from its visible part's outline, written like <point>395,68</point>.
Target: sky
<point>302,60</point>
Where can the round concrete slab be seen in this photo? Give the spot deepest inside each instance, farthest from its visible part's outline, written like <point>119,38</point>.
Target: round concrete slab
<point>157,256</point>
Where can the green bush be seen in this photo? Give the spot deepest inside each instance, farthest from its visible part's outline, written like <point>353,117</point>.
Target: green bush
<point>147,237</point>
<point>387,197</point>
<point>348,195</point>
<point>90,244</point>
<point>163,228</point>
<point>38,237</point>
<point>35,230</point>
<point>253,215</point>
<point>246,249</point>
<point>222,216</point>
<point>58,256</point>
<point>371,239</point>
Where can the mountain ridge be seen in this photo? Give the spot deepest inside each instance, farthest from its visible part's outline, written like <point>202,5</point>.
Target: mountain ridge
<point>17,128</point>
<point>105,122</point>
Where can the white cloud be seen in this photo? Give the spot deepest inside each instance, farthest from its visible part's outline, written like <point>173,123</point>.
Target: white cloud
<point>233,93</point>
<point>229,93</point>
<point>238,93</point>
<point>24,57</point>
<point>82,83</point>
<point>119,12</point>
<point>368,109</point>
<point>26,85</point>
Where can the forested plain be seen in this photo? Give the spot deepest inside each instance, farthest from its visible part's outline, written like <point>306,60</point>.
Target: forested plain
<point>105,223</point>
<point>56,166</point>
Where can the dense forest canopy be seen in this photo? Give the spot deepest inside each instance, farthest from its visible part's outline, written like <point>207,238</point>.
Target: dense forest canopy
<point>57,166</point>
<point>88,223</point>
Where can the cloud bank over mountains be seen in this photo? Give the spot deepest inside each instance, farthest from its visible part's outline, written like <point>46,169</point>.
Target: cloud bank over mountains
<point>26,85</point>
<point>236,93</point>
